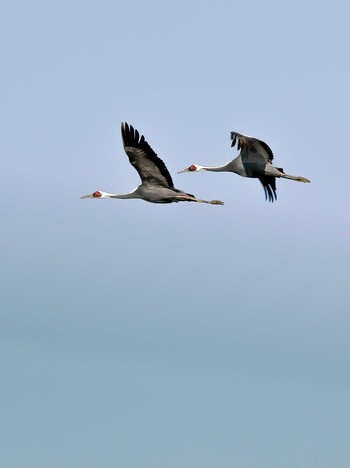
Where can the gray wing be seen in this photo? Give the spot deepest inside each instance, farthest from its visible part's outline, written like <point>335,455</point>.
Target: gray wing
<point>151,169</point>
<point>252,149</point>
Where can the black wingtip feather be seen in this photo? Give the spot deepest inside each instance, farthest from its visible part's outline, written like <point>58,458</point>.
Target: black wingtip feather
<point>235,139</point>
<point>269,184</point>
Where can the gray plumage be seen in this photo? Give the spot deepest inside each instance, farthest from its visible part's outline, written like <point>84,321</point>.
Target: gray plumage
<point>254,160</point>
<point>157,185</point>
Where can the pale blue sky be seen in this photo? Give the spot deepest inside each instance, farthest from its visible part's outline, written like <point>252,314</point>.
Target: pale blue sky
<point>136,335</point>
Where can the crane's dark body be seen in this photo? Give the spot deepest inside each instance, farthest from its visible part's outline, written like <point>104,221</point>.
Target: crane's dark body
<point>255,161</point>
<point>157,185</point>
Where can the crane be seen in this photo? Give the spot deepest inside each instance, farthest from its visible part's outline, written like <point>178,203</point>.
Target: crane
<point>157,185</point>
<point>254,160</point>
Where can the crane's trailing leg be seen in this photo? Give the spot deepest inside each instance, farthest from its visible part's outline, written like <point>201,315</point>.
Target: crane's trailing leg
<point>192,198</point>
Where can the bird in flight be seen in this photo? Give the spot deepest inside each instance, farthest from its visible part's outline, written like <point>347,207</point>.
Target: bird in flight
<point>254,160</point>
<point>157,185</point>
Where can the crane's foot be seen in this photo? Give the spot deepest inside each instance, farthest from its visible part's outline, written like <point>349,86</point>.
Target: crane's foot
<point>212,202</point>
<point>302,179</point>
<point>216,202</point>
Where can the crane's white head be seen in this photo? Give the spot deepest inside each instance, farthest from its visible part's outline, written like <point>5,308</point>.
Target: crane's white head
<point>97,194</point>
<point>193,168</point>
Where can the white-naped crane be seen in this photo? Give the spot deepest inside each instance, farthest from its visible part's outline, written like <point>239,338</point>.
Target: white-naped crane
<point>157,185</point>
<point>254,160</point>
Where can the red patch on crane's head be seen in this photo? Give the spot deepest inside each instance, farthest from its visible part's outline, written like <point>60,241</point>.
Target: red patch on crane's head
<point>97,194</point>
<point>192,168</point>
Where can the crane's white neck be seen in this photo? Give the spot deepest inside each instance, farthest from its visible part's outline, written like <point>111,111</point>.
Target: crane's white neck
<point>223,168</point>
<point>132,194</point>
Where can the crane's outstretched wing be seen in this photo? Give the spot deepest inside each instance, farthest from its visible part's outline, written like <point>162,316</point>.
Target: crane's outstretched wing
<point>151,169</point>
<point>252,149</point>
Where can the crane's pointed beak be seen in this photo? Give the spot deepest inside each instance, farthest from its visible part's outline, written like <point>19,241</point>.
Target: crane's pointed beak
<point>185,170</point>
<point>87,196</point>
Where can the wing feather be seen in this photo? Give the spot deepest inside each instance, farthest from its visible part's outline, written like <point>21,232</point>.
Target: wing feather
<point>150,167</point>
<point>252,149</point>
<point>269,184</point>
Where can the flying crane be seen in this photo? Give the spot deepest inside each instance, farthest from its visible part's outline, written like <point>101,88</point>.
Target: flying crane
<point>255,160</point>
<point>157,185</point>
